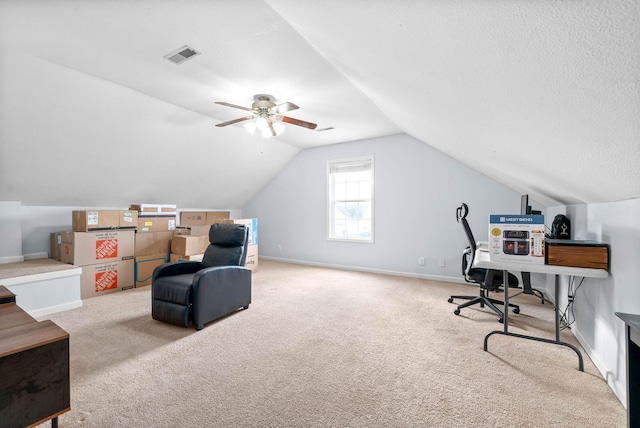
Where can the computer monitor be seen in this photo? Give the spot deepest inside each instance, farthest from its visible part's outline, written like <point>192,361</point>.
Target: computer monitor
<point>525,208</point>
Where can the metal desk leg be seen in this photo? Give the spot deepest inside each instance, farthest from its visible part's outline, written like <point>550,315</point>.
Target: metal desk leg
<point>537,339</point>
<point>505,281</point>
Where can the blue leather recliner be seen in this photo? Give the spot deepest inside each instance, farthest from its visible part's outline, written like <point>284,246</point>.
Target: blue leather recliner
<point>200,292</point>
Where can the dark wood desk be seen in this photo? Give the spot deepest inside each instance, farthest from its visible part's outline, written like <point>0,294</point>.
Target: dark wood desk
<point>34,369</point>
<point>6,296</point>
<point>632,323</point>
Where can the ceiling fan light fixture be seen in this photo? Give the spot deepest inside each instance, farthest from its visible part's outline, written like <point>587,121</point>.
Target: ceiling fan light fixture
<point>262,124</point>
<point>267,117</point>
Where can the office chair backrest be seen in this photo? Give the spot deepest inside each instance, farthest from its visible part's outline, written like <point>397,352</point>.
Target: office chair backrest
<point>461,217</point>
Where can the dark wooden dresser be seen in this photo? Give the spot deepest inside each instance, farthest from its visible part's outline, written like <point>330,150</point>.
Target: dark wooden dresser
<point>34,367</point>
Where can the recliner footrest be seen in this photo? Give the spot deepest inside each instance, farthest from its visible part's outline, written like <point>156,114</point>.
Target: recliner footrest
<point>171,313</point>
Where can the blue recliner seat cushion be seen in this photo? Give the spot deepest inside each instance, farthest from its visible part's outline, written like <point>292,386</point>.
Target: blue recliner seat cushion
<point>175,289</point>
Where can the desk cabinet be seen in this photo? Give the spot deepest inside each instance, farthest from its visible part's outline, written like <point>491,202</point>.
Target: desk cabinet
<point>34,369</point>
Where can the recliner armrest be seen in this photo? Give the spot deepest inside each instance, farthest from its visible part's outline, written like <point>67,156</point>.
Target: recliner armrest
<point>220,274</point>
<point>175,268</point>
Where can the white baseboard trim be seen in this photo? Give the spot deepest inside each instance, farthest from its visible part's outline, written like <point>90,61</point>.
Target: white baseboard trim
<point>369,270</point>
<point>620,390</point>
<point>11,259</point>
<point>38,313</point>
<point>34,256</point>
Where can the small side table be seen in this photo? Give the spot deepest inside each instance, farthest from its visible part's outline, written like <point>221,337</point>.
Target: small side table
<point>6,296</point>
<point>632,323</point>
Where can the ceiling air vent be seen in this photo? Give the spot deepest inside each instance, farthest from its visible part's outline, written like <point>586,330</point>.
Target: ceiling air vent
<point>181,55</point>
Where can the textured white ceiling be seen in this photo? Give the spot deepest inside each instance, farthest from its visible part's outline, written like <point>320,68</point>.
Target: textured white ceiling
<point>543,96</point>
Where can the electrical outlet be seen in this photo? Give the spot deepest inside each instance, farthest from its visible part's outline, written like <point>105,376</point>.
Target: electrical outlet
<point>421,261</point>
<point>442,262</point>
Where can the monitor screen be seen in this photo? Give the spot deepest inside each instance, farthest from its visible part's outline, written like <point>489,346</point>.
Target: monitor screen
<point>524,205</point>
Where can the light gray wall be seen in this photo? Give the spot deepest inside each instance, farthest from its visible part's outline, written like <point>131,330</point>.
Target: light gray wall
<point>417,190</point>
<point>10,241</point>
<point>597,328</point>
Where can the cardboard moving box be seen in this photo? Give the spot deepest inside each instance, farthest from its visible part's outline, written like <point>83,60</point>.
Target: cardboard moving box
<point>193,218</point>
<point>154,209</point>
<point>252,258</point>
<point>214,216</point>
<point>187,245</point>
<point>55,243</point>
<point>180,258</point>
<point>86,221</point>
<point>144,267</point>
<point>153,243</point>
<point>104,278</point>
<point>202,218</point>
<point>148,224</point>
<point>584,254</point>
<point>87,248</point>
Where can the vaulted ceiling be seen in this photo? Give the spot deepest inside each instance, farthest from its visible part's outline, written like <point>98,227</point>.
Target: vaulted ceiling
<point>543,96</point>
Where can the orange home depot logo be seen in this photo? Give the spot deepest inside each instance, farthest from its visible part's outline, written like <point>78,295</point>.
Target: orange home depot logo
<point>107,280</point>
<point>106,248</point>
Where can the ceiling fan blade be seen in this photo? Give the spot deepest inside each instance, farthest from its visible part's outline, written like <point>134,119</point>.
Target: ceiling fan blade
<point>231,122</point>
<point>273,131</point>
<point>299,122</point>
<point>233,105</point>
<point>285,107</point>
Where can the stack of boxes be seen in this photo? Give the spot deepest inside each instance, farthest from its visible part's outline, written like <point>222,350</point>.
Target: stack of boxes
<point>156,225</point>
<point>119,249</point>
<point>102,243</point>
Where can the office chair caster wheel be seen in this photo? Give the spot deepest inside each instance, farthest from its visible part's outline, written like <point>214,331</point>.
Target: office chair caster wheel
<point>516,311</point>
<point>457,312</point>
<point>450,300</point>
<point>501,320</point>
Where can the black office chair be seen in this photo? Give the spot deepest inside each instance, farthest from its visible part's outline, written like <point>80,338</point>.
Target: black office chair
<point>488,280</point>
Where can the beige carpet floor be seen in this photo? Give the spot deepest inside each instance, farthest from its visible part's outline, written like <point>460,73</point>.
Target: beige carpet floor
<point>328,348</point>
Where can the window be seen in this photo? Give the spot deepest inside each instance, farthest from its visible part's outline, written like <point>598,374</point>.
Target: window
<point>350,194</point>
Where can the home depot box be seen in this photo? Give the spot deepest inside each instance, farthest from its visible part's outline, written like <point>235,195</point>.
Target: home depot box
<point>85,221</point>
<point>182,258</point>
<point>86,248</point>
<point>574,253</point>
<point>153,243</point>
<point>144,267</point>
<point>103,278</point>
<point>518,238</point>
<point>148,224</point>
<point>145,210</point>
<point>187,245</point>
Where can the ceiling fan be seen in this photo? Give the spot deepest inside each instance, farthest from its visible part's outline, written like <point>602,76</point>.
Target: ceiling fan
<point>267,113</point>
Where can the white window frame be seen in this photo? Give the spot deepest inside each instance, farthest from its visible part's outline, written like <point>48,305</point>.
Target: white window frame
<point>354,162</point>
